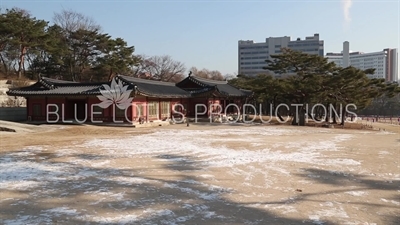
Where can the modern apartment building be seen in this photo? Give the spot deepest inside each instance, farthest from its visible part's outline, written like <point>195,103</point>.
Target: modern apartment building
<point>252,55</point>
<point>384,62</point>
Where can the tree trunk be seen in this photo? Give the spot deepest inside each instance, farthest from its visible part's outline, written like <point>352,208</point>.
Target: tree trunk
<point>328,114</point>
<point>23,69</point>
<point>71,66</point>
<point>4,64</point>
<point>21,61</point>
<point>71,72</point>
<point>302,116</point>
<point>274,104</point>
<point>110,75</point>
<point>343,113</point>
<point>294,120</point>
<point>299,116</point>
<point>334,115</point>
<point>280,116</point>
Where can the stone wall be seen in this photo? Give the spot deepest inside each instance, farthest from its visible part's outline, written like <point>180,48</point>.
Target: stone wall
<point>13,113</point>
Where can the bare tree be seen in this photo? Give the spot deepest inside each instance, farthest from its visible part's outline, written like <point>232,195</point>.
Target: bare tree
<point>230,76</point>
<point>72,21</point>
<point>208,74</point>
<point>81,37</point>
<point>162,68</point>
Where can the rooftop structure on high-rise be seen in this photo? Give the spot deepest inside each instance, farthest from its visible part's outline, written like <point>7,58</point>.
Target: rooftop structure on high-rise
<point>384,62</point>
<point>252,55</point>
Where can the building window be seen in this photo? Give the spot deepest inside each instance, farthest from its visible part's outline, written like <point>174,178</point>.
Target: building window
<point>37,109</point>
<point>153,109</point>
<point>165,106</point>
<point>139,110</point>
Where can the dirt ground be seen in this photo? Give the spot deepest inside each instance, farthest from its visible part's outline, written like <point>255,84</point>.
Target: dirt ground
<point>201,174</point>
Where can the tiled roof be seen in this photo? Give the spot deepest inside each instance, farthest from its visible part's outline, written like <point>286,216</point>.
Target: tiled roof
<point>150,88</point>
<point>73,90</point>
<point>223,87</point>
<point>53,82</point>
<point>205,92</point>
<point>208,81</point>
<point>48,86</point>
<point>154,88</point>
<point>247,92</point>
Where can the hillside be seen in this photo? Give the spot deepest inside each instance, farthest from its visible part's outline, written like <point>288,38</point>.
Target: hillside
<point>10,101</point>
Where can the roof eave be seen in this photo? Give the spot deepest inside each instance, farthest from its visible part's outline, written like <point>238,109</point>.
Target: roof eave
<point>155,95</point>
<point>52,94</point>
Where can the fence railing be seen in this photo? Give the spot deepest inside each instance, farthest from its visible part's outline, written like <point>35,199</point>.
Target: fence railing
<point>388,120</point>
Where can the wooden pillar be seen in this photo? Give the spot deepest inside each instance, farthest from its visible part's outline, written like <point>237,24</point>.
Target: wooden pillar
<point>65,112</point>
<point>147,109</point>
<point>86,106</point>
<point>159,109</point>
<point>188,106</point>
<point>27,109</point>
<point>213,102</point>
<point>181,101</point>
<point>224,105</point>
<point>45,107</point>
<point>170,109</point>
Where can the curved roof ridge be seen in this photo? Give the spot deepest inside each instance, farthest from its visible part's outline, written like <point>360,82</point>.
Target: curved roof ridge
<point>65,83</point>
<point>210,80</point>
<point>140,80</point>
<point>52,80</point>
<point>196,81</point>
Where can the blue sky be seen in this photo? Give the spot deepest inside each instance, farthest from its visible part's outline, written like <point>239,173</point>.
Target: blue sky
<point>205,33</point>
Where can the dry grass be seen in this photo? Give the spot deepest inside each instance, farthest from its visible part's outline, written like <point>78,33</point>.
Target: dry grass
<point>20,83</point>
<point>15,81</point>
<point>89,183</point>
<point>274,120</point>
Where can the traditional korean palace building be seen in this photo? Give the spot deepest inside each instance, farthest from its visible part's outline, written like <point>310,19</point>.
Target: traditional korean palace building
<point>145,100</point>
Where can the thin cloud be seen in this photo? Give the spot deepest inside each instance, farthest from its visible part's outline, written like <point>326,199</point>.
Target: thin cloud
<point>346,10</point>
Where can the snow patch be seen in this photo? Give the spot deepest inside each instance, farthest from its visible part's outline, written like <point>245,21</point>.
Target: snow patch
<point>202,195</point>
<point>128,180</point>
<point>332,212</point>
<point>315,219</point>
<point>62,211</point>
<point>356,193</point>
<point>391,201</point>
<point>384,153</point>
<point>121,219</point>
<point>19,174</point>
<point>191,144</point>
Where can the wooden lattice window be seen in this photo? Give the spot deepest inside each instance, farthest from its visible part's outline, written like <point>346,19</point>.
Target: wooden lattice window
<point>153,109</point>
<point>140,110</point>
<point>165,109</point>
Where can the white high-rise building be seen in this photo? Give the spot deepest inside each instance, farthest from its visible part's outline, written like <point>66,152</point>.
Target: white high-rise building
<point>384,62</point>
<point>252,56</point>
